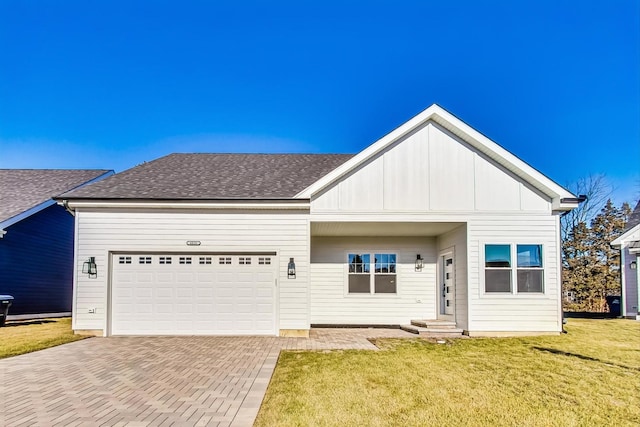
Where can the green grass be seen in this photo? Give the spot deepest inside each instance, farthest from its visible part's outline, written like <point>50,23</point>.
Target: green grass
<point>24,337</point>
<point>588,377</point>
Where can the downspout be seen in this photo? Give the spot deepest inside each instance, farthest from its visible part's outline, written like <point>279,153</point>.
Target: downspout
<point>581,198</point>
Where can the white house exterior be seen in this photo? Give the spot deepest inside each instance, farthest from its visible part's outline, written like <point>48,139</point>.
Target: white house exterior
<point>629,245</point>
<point>184,259</point>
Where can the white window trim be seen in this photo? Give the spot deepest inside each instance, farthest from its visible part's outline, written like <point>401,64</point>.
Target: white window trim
<point>513,244</point>
<point>371,273</point>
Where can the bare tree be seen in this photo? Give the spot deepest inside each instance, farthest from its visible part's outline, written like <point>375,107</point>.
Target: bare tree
<point>598,190</point>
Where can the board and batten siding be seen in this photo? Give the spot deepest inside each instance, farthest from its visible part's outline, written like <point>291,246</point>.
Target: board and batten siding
<point>430,170</point>
<point>493,312</point>
<point>456,241</point>
<point>331,302</point>
<point>105,231</point>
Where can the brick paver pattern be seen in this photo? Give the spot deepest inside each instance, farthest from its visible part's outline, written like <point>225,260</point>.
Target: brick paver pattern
<point>155,381</point>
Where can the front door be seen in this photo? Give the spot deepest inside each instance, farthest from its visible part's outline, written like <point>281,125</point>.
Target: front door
<point>447,286</point>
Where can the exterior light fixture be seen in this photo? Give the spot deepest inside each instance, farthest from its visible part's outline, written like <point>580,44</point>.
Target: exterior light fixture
<point>89,267</point>
<point>633,265</point>
<point>419,263</point>
<point>291,269</point>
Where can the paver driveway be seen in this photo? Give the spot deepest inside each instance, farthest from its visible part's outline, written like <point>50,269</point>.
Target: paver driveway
<point>154,381</point>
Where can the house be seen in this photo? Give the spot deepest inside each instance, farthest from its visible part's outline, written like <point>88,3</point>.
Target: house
<point>629,245</point>
<point>36,238</point>
<point>432,221</point>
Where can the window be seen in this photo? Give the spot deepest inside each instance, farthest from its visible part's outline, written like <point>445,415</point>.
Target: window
<point>499,274</point>
<point>224,260</point>
<point>144,260</point>
<point>385,274</point>
<point>184,260</point>
<point>530,272</point>
<point>165,260</point>
<point>366,277</point>
<point>497,263</point>
<point>359,274</point>
<point>244,261</point>
<point>205,260</point>
<point>264,261</point>
<point>124,260</point>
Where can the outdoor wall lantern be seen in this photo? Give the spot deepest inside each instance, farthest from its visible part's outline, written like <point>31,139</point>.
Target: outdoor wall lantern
<point>633,265</point>
<point>291,269</point>
<point>419,263</point>
<point>89,267</point>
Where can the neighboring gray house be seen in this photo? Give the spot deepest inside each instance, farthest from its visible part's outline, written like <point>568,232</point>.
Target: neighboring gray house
<point>629,245</point>
<point>36,238</point>
<point>433,221</point>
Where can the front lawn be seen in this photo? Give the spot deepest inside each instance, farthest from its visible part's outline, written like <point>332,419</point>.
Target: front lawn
<point>588,377</point>
<point>27,336</point>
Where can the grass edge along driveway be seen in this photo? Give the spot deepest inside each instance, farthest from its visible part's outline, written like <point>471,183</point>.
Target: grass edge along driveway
<point>20,337</point>
<point>590,376</point>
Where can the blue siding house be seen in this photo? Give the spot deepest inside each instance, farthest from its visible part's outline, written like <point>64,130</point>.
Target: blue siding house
<point>36,238</point>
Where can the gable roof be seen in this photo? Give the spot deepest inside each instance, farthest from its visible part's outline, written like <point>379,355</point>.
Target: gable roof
<point>562,198</point>
<point>214,177</point>
<point>633,225</point>
<point>22,190</point>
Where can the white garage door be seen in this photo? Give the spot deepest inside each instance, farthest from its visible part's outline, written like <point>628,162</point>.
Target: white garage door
<point>192,294</point>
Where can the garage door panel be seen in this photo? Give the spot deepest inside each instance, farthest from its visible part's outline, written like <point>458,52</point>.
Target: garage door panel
<point>225,291</point>
<point>144,277</point>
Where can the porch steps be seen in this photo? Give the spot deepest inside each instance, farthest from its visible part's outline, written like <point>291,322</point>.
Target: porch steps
<point>433,328</point>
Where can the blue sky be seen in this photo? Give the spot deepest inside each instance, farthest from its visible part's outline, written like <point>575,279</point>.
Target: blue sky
<point>113,84</point>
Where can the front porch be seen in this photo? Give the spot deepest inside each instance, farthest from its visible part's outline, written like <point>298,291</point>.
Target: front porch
<point>389,273</point>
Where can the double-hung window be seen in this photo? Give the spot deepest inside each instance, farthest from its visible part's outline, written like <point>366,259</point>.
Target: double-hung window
<point>500,273</point>
<point>372,273</point>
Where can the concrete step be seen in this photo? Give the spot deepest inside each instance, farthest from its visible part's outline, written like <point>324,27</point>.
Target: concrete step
<point>438,324</point>
<point>432,332</point>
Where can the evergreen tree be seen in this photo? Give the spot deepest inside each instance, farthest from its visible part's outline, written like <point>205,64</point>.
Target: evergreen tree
<point>591,267</point>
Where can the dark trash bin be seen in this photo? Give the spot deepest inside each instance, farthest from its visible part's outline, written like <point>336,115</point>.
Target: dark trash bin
<point>613,301</point>
<point>5,303</point>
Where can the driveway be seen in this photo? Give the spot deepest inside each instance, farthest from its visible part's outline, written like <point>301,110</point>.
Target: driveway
<point>154,381</point>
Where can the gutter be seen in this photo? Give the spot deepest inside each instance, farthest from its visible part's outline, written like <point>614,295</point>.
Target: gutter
<point>576,200</point>
<point>65,204</point>
<point>71,205</point>
<point>581,198</point>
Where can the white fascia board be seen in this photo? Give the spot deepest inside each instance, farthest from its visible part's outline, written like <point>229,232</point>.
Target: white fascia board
<point>74,204</point>
<point>34,210</point>
<point>474,138</point>
<point>622,239</point>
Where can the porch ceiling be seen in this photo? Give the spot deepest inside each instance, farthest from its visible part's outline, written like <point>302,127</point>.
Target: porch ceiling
<point>402,229</point>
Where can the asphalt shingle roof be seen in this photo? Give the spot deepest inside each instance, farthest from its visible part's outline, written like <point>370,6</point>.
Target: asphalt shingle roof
<point>215,177</point>
<point>23,189</point>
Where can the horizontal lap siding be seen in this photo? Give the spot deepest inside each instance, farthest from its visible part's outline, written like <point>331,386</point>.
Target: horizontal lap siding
<point>36,262</point>
<point>101,232</point>
<point>330,303</point>
<point>519,312</point>
<point>631,285</point>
